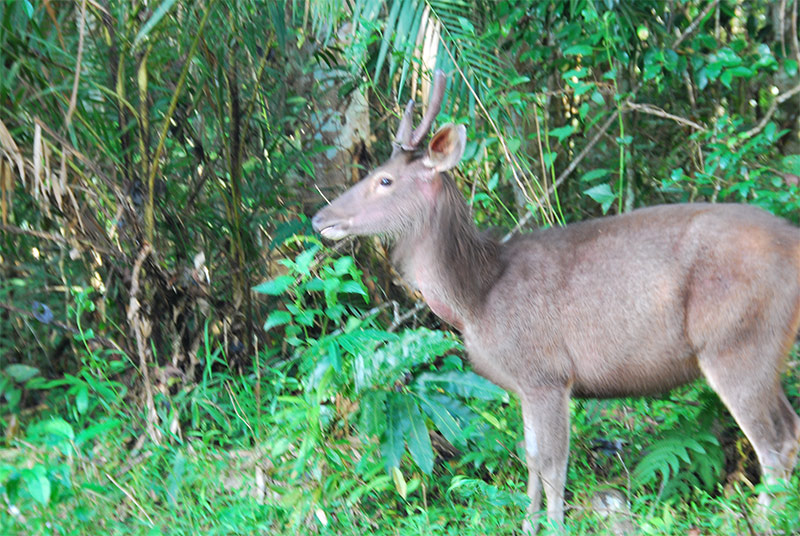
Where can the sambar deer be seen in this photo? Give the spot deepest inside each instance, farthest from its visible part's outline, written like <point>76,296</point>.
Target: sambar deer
<point>625,305</point>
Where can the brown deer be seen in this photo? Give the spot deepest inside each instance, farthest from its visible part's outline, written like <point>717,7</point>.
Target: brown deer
<point>625,305</point>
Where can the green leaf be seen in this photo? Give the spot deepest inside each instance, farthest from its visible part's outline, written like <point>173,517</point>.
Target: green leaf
<point>343,265</point>
<point>21,373</point>
<point>726,78</point>
<point>790,66</point>
<point>276,286</point>
<point>741,71</point>
<point>791,164</point>
<point>562,132</point>
<point>353,287</point>
<point>442,419</point>
<point>303,260</point>
<point>102,429</point>
<point>393,442</point>
<point>37,484</point>
<point>82,399</point>
<point>466,384</point>
<point>277,318</point>
<point>399,482</point>
<point>387,33</point>
<point>578,50</point>
<point>158,14</point>
<point>602,194</point>
<point>58,429</point>
<point>548,158</point>
<point>419,442</point>
<point>373,413</point>
<point>594,174</point>
<point>701,78</point>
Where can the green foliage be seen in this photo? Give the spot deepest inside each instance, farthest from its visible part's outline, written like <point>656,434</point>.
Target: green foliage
<point>681,462</point>
<point>357,359</point>
<point>198,130</point>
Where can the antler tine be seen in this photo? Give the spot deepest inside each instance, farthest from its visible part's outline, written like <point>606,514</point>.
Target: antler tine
<point>439,84</point>
<point>403,137</point>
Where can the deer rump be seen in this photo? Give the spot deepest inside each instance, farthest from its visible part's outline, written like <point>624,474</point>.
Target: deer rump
<point>624,305</point>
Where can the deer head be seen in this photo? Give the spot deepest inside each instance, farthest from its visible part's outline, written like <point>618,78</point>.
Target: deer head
<point>399,194</point>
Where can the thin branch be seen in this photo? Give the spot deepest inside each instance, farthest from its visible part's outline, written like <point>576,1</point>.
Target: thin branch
<point>695,23</point>
<point>141,327</point>
<point>795,44</point>
<point>564,174</point>
<point>149,217</point>
<point>73,99</point>
<point>486,114</point>
<point>780,99</point>
<point>61,240</point>
<point>655,110</point>
<point>400,320</point>
<point>575,161</point>
<point>132,498</point>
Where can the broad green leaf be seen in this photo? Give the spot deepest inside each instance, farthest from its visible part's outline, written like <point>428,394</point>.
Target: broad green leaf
<point>443,419</point>
<point>353,287</point>
<point>419,442</point>
<point>548,158</point>
<point>595,174</point>
<point>101,429</point>
<point>701,78</point>
<point>37,484</point>
<point>397,425</point>
<point>602,194</point>
<point>466,384</point>
<point>373,413</point>
<point>578,50</point>
<point>343,265</point>
<point>82,399</point>
<point>791,163</point>
<point>276,286</point>
<point>21,373</point>
<point>303,260</point>
<point>59,429</point>
<point>726,78</point>
<point>399,482</point>
<point>277,318</point>
<point>562,132</point>
<point>741,71</point>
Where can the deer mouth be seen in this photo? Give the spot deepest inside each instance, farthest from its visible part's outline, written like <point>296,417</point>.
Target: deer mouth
<point>333,232</point>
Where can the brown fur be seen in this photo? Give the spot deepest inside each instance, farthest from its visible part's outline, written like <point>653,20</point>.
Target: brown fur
<point>618,306</point>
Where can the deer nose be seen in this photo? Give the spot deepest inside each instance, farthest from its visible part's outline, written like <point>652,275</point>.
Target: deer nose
<point>316,221</point>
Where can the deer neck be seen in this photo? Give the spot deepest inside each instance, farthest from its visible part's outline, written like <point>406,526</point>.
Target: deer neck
<point>448,260</point>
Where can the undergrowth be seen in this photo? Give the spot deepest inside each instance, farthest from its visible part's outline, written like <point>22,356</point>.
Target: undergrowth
<point>361,430</point>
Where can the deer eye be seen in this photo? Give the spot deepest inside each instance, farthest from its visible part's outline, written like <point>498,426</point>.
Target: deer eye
<point>386,181</point>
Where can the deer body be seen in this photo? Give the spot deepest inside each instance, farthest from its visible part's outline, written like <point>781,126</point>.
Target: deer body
<point>618,306</point>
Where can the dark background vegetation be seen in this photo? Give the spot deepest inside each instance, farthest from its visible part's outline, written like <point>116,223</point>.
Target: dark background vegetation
<point>179,353</point>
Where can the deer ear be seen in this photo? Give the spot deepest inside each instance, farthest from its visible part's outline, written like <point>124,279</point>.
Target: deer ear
<point>446,147</point>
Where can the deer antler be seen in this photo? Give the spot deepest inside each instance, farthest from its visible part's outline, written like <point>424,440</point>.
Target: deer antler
<point>439,83</point>
<point>407,140</point>
<point>403,137</point>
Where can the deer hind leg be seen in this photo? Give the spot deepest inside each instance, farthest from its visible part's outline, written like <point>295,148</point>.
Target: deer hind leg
<point>545,416</point>
<point>748,382</point>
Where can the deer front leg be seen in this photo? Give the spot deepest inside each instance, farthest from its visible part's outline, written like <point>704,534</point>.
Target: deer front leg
<point>545,417</point>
